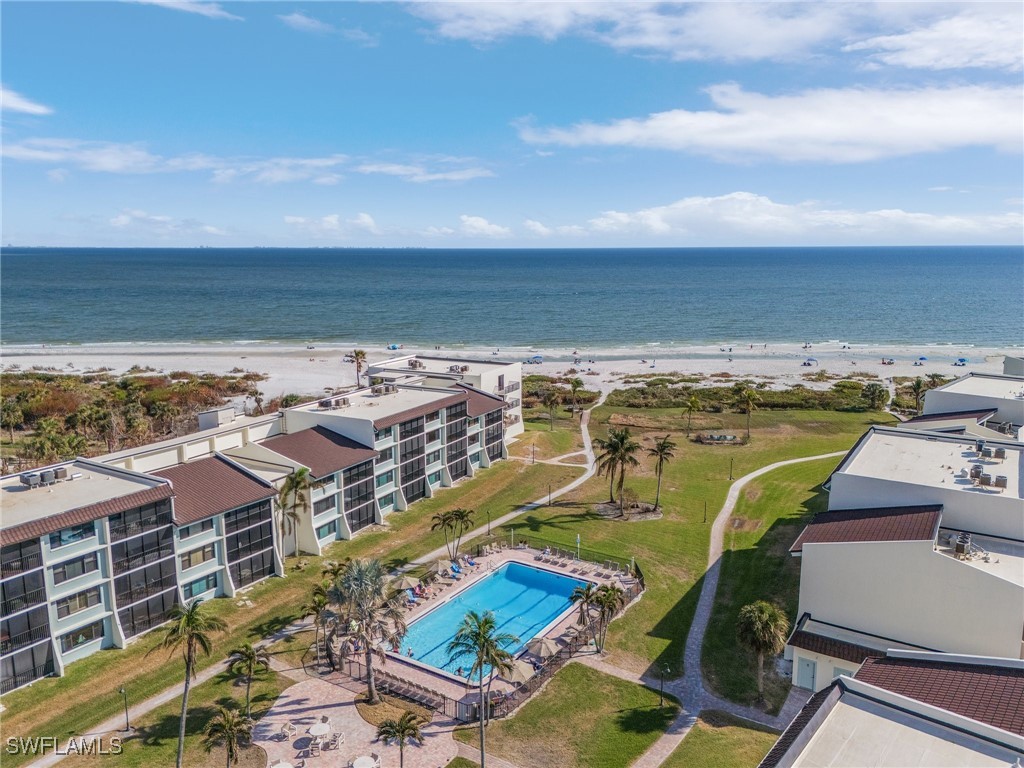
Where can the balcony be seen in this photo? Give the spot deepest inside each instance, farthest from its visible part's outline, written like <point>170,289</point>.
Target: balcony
<point>129,596</point>
<point>130,563</point>
<point>512,387</point>
<point>23,601</point>
<point>513,403</point>
<point>24,678</point>
<point>21,564</point>
<point>126,530</point>
<point>23,639</point>
<point>512,418</point>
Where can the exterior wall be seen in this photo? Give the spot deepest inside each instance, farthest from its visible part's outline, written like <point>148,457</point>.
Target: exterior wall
<point>826,668</point>
<point>1013,366</point>
<point>943,401</point>
<point>993,514</point>
<point>358,429</point>
<point>908,592</point>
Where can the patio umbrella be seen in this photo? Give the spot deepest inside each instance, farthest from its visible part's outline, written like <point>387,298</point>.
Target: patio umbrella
<point>521,672</point>
<point>543,647</point>
<point>405,582</point>
<point>441,565</point>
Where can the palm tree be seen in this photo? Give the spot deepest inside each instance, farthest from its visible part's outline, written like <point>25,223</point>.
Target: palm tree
<point>247,662</point>
<point>586,596</point>
<point>290,499</point>
<point>406,728</point>
<point>359,357</point>
<point>446,522</point>
<point>608,600</point>
<point>374,613</point>
<point>662,453</point>
<point>692,404</point>
<point>627,448</point>
<point>462,521</point>
<point>11,415</point>
<point>227,727</point>
<point>918,388</point>
<point>189,630</point>
<point>762,627</point>
<point>876,395</point>
<point>552,400</point>
<point>575,385</point>
<point>748,399</point>
<point>607,461</point>
<point>316,607</point>
<point>479,637</point>
<point>616,454</point>
<point>935,380</point>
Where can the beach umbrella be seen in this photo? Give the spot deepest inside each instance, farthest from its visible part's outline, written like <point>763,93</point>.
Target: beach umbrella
<point>812,359</point>
<point>405,582</point>
<point>922,358</point>
<point>961,359</point>
<point>440,565</point>
<point>521,672</point>
<point>543,647</point>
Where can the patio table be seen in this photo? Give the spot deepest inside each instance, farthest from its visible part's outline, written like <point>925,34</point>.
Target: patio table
<point>320,729</point>
<point>365,761</point>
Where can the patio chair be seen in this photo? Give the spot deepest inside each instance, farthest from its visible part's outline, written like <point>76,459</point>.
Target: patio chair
<point>376,759</point>
<point>324,719</point>
<point>314,749</point>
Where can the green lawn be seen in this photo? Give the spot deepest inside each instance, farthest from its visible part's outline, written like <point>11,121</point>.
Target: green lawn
<point>88,691</point>
<point>719,740</point>
<point>582,719</point>
<point>565,438</point>
<point>756,565</point>
<point>672,551</point>
<point>461,762</point>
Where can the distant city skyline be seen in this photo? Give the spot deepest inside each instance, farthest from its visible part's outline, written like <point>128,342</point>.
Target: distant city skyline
<point>553,125</point>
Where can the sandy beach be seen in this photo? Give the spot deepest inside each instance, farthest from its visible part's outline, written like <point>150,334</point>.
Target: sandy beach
<point>294,368</point>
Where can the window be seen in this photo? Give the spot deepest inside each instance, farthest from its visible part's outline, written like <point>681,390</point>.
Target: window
<point>360,472</point>
<point>321,506</point>
<point>457,411</point>
<point>383,433</point>
<point>20,592</point>
<point>147,614</point>
<point>25,666</point>
<point>415,490</point>
<point>434,416</point>
<point>198,556</point>
<point>386,455</point>
<point>475,458</point>
<point>433,456</point>
<point>359,494</point>
<point>24,629</point>
<point>457,450</point>
<point>23,556</point>
<point>331,529</point>
<point>456,430</point>
<point>459,469</point>
<point>410,448</point>
<point>411,427</point>
<point>78,602</point>
<point>250,541</point>
<point>385,479</point>
<point>199,586</point>
<point>247,516</point>
<point>132,522</point>
<point>494,451</point>
<point>81,636</point>
<point>361,517</point>
<point>434,477</point>
<point>388,500</point>
<point>493,434</point>
<point>474,439</point>
<point>145,582</point>
<point>72,569</point>
<point>492,418</point>
<point>196,528</point>
<point>142,550</point>
<point>253,568</point>
<point>71,535</point>
<point>433,435</point>
<point>412,469</point>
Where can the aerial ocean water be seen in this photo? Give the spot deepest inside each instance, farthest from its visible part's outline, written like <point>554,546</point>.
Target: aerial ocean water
<point>587,297</point>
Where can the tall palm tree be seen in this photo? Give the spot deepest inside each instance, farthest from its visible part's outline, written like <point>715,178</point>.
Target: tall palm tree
<point>692,404</point>
<point>918,387</point>
<point>748,398</point>
<point>359,357</point>
<point>607,460</point>
<point>446,522</point>
<point>333,570</point>
<point>316,607</point>
<point>575,385</point>
<point>627,448</point>
<point>227,727</point>
<point>608,600</point>
<point>462,521</point>
<point>247,662</point>
<point>292,497</point>
<point>406,728</point>
<point>662,454</point>
<point>762,627</point>
<point>552,400</point>
<point>876,395</point>
<point>586,596</point>
<point>373,611</point>
<point>189,630</point>
<point>478,636</point>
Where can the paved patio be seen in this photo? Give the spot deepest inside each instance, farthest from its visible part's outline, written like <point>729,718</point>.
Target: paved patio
<point>305,703</point>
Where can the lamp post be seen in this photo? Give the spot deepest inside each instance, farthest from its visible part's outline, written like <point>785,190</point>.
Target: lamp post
<point>661,695</point>
<point>124,693</point>
<point>533,448</point>
<point>549,494</point>
<point>730,467</point>
<point>488,522</point>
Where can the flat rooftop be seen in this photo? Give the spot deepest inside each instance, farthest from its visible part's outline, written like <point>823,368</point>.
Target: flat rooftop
<point>364,404</point>
<point>95,485</point>
<point>922,458</point>
<point>440,365</point>
<point>1000,557</point>
<point>987,385</point>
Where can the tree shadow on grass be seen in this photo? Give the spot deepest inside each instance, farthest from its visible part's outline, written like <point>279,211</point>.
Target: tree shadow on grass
<point>647,719</point>
<point>271,625</point>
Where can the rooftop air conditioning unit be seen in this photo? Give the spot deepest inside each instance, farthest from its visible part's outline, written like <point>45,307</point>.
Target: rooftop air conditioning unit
<point>327,403</point>
<point>464,369</point>
<point>390,389</point>
<point>60,473</point>
<point>377,389</point>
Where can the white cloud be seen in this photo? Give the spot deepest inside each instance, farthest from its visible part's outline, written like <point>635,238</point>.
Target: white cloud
<point>477,226</point>
<point>332,226</point>
<point>438,232</point>
<point>135,220</point>
<point>825,125</point>
<point>209,10</point>
<point>12,101</point>
<point>421,175</point>
<point>981,36</point>
<point>940,189</point>
<point>359,37</point>
<point>537,228</point>
<point>364,221</point>
<point>744,216</point>
<point>304,23</point>
<point>57,175</point>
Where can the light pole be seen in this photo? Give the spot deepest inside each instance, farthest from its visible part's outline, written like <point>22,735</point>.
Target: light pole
<point>705,510</point>
<point>488,522</point>
<point>127,725</point>
<point>661,695</point>
<point>730,467</point>
<point>549,494</point>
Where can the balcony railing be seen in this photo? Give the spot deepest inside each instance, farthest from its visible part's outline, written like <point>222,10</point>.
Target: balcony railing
<point>21,564</point>
<point>514,386</point>
<point>130,563</point>
<point>22,639</point>
<point>124,530</point>
<point>512,418</point>
<point>129,596</point>
<point>513,403</point>
<point>24,678</point>
<point>23,601</point>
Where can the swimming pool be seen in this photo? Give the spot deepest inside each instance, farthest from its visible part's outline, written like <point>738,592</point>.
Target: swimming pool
<point>523,599</point>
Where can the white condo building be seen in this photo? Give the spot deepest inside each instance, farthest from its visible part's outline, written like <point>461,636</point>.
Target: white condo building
<point>94,552</point>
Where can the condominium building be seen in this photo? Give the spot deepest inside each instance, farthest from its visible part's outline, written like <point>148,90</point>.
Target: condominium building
<point>922,548</point>
<point>984,404</point>
<point>497,377</point>
<point>94,552</point>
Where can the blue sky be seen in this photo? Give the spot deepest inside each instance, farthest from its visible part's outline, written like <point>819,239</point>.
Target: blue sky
<point>166,123</point>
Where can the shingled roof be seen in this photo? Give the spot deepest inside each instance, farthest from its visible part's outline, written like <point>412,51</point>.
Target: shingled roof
<point>480,402</point>
<point>977,415</point>
<point>322,450</point>
<point>420,410</point>
<point>209,486</point>
<point>831,647</point>
<point>912,523</point>
<point>986,693</point>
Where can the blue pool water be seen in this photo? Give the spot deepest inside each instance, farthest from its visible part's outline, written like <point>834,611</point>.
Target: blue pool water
<point>523,600</point>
